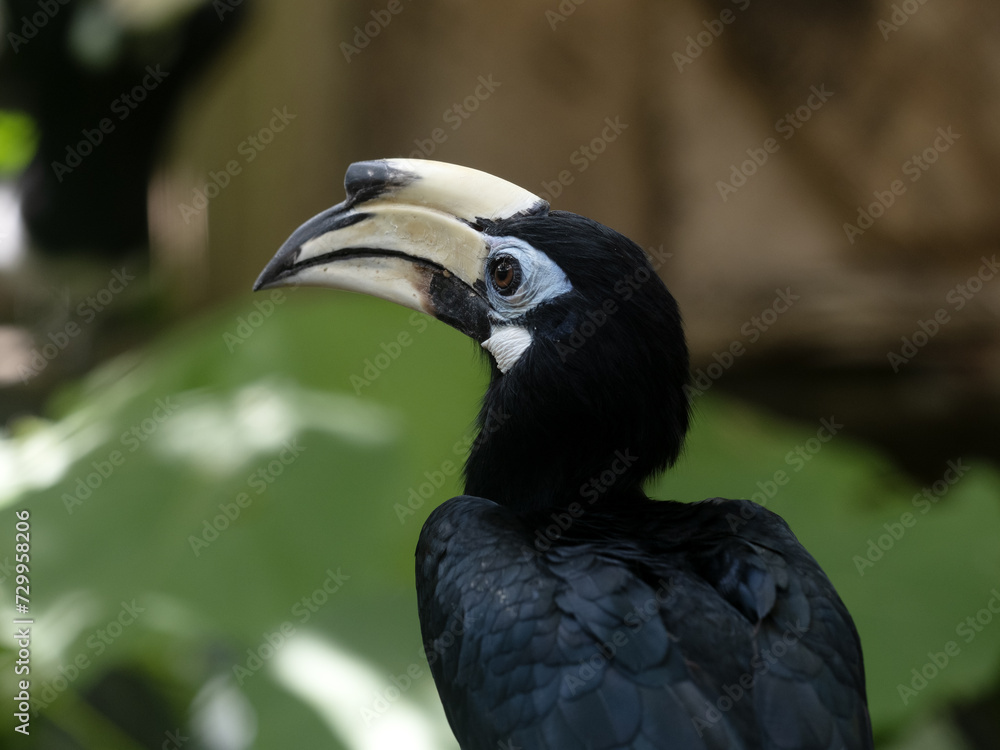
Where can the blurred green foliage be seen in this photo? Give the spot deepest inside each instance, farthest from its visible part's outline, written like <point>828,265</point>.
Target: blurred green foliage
<point>18,141</point>
<point>297,430</point>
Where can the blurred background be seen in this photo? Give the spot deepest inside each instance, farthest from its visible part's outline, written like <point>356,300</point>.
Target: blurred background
<point>224,490</point>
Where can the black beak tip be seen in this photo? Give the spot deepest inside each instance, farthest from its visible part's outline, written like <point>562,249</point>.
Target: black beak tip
<point>281,266</point>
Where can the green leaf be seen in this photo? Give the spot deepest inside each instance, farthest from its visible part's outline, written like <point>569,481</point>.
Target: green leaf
<point>18,141</point>
<point>234,509</point>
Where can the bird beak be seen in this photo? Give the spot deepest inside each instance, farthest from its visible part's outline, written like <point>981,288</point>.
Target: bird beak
<point>408,233</point>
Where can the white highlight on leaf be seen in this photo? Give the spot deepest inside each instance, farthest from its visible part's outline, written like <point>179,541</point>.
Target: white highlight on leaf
<point>346,691</point>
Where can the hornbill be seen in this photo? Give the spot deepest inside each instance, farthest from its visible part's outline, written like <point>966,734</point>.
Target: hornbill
<point>559,605</point>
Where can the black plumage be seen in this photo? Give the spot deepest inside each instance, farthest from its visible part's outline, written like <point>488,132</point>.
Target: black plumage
<point>557,421</point>
<point>561,607</point>
<point>650,624</point>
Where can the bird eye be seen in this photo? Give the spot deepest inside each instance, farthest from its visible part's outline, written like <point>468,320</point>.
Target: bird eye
<point>505,272</point>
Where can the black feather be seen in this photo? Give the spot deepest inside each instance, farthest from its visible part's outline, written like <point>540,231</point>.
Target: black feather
<point>561,608</point>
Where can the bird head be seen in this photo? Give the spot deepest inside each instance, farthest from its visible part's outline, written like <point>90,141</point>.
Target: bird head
<point>588,359</point>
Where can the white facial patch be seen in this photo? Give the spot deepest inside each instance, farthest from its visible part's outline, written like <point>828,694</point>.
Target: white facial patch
<point>542,279</point>
<point>507,344</point>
